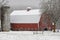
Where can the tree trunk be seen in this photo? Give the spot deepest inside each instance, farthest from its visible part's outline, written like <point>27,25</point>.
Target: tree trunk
<point>54,27</point>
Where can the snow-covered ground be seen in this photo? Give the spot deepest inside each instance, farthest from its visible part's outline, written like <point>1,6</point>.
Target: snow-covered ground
<point>29,35</point>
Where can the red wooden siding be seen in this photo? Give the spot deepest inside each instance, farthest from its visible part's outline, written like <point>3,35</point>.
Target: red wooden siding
<point>45,22</point>
<point>25,26</point>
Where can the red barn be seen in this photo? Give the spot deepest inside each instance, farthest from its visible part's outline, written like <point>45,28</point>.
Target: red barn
<point>32,20</point>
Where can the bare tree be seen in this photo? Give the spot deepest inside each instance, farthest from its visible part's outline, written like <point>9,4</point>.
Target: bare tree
<point>52,7</point>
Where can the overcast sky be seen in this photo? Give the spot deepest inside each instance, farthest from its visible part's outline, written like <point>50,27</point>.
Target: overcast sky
<point>23,4</point>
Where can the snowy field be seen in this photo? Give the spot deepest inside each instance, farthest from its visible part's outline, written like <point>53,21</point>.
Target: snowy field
<point>29,35</point>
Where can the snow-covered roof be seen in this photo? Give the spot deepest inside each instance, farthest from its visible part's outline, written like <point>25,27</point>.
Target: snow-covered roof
<point>24,16</point>
<point>25,12</point>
